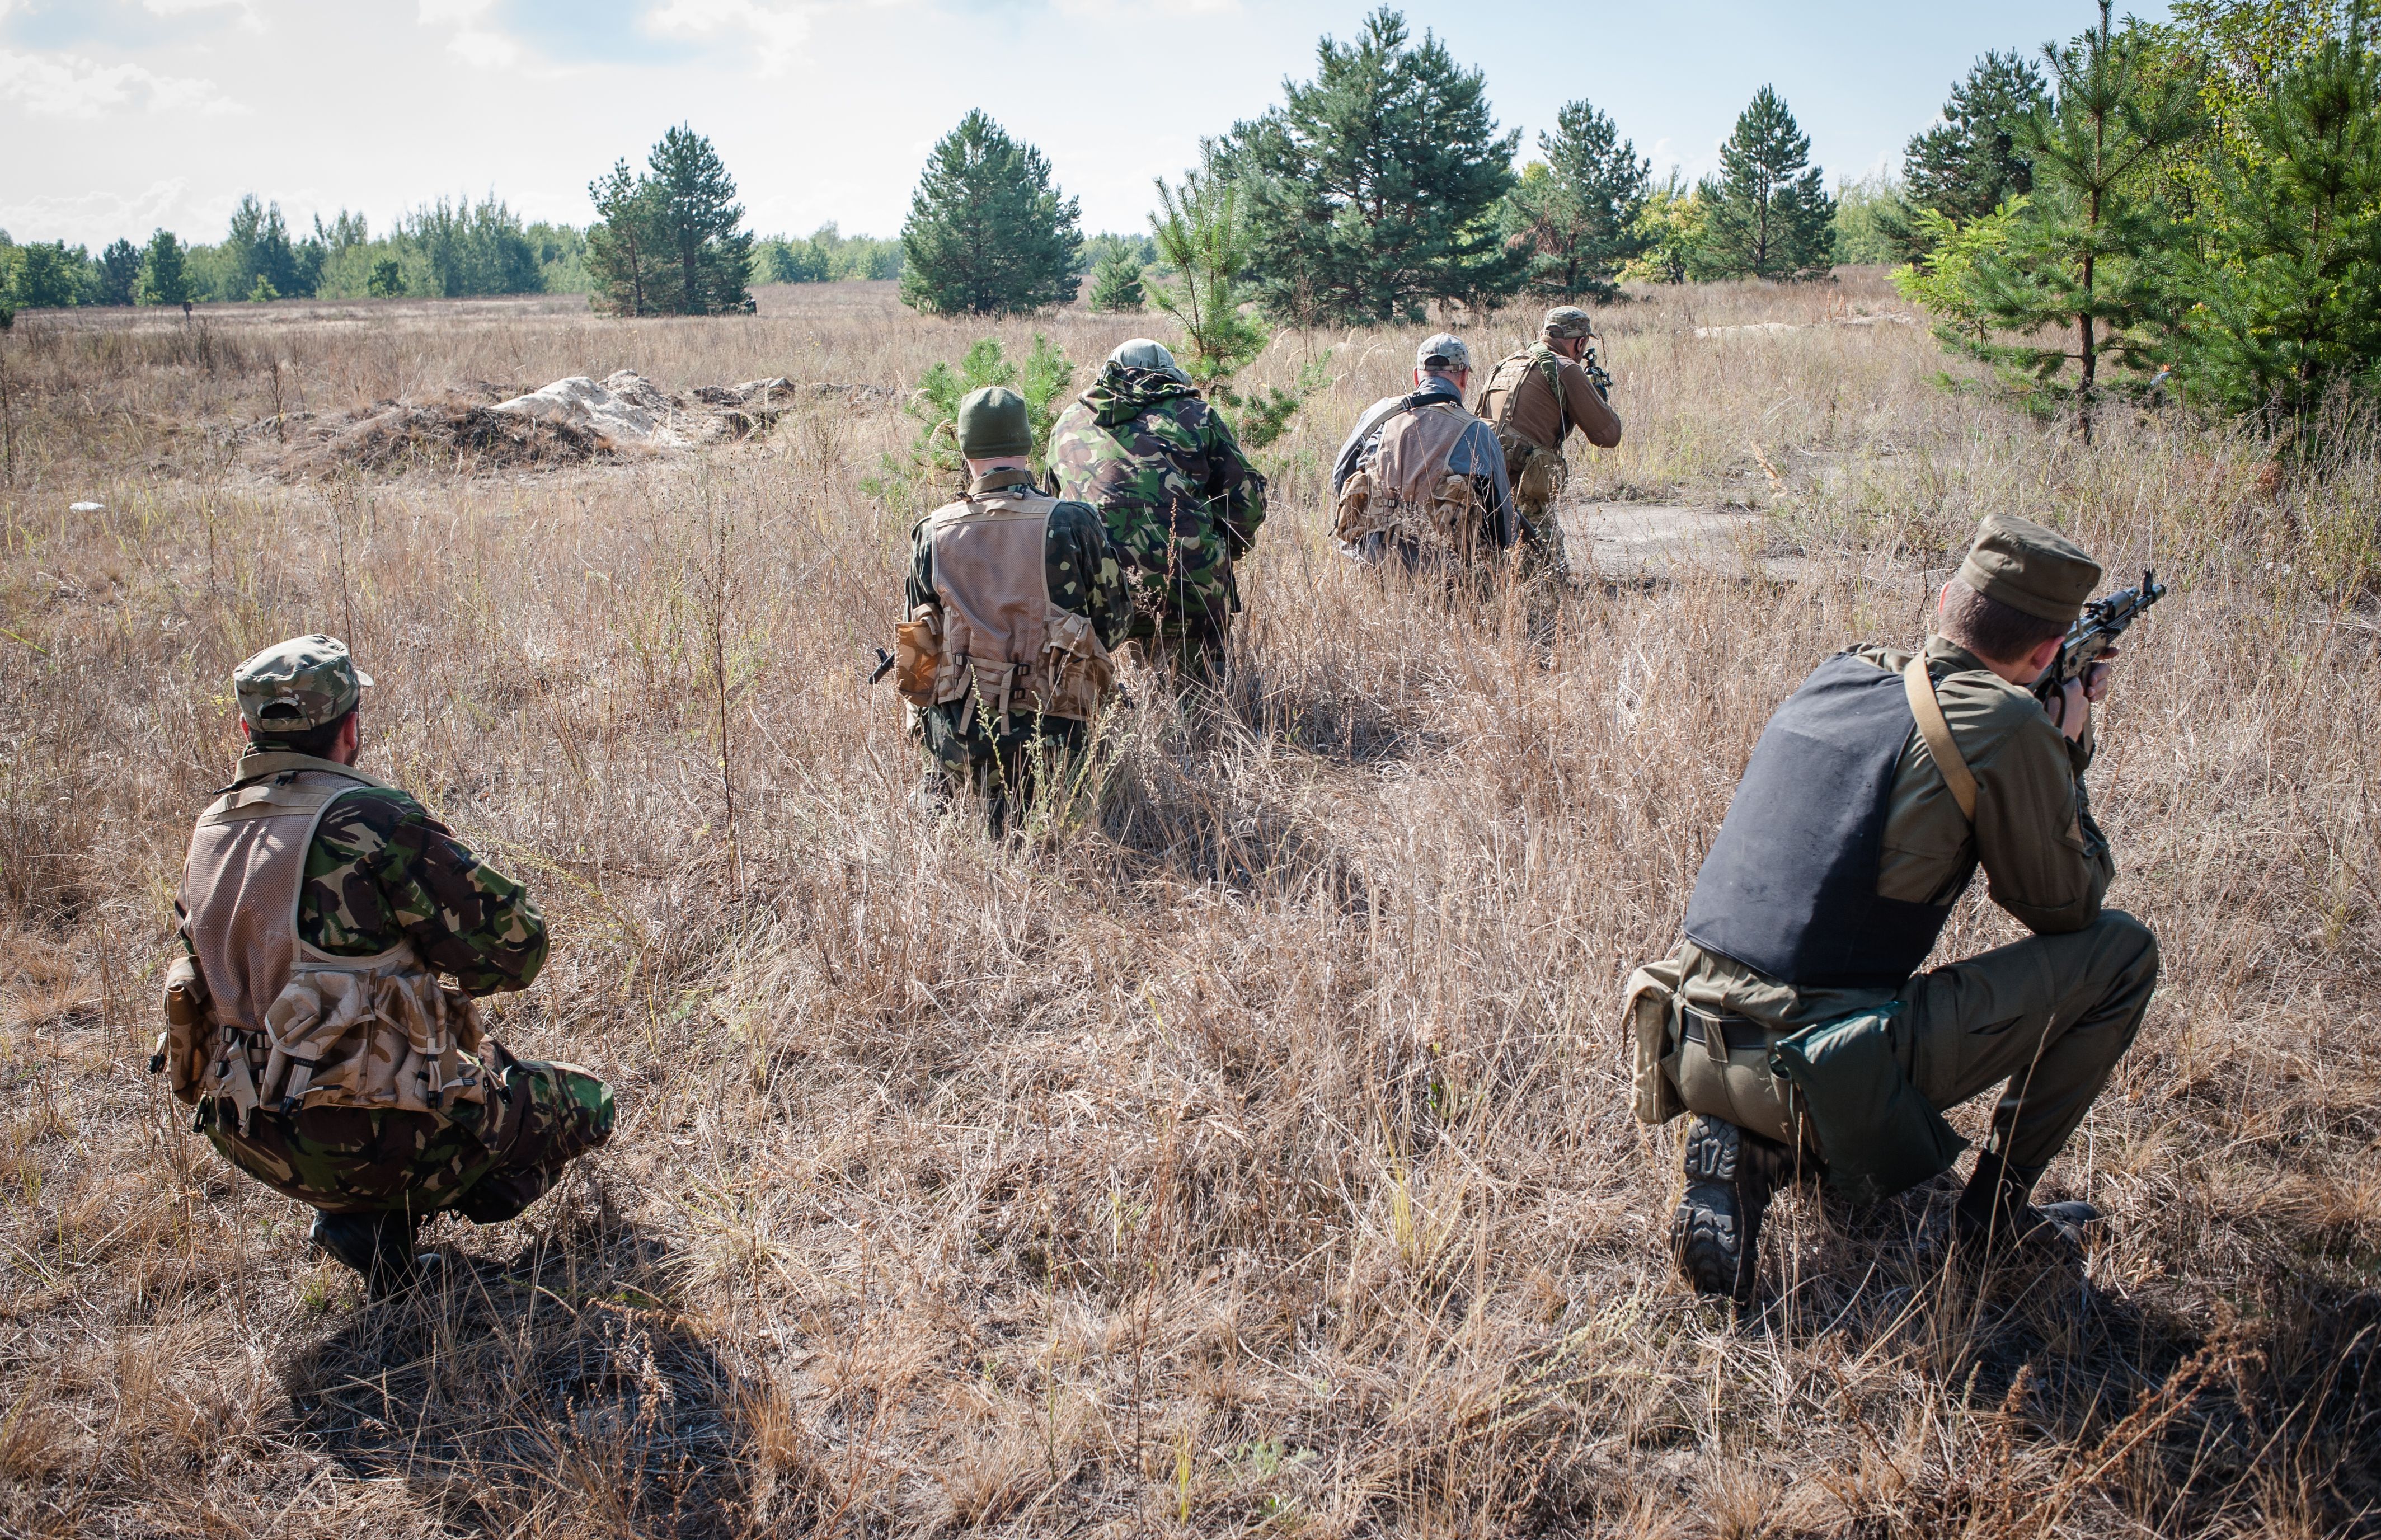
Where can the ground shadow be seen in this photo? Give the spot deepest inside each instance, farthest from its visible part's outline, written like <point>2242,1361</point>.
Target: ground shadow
<point>547,1384</point>
<point>2275,1401</point>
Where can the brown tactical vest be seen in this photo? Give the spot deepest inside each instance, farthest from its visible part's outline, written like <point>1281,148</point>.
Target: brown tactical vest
<point>1001,644</point>
<point>285,1024</point>
<point>1407,490</point>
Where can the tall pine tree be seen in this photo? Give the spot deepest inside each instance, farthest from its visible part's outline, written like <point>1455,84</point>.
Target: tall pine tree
<point>1374,189</point>
<point>2092,257</point>
<point>163,280</point>
<point>2290,292</point>
<point>1573,218</point>
<point>989,233</point>
<point>670,240</point>
<point>119,273</point>
<point>1768,214</point>
<point>1974,160</point>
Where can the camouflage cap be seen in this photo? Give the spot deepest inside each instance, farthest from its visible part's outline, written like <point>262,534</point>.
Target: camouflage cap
<point>1442,352</point>
<point>992,425</point>
<point>1144,353</point>
<point>1567,320</point>
<point>293,686</point>
<point>2028,568</point>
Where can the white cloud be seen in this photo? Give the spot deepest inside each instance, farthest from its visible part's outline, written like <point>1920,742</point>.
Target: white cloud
<point>64,85</point>
<point>247,8</point>
<point>132,216</point>
<point>478,45</point>
<point>777,30</point>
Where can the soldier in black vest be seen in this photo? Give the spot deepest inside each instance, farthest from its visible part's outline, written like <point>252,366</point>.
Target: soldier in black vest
<point>1801,1033</point>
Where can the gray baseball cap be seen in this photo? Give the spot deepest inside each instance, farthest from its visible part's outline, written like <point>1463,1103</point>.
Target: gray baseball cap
<point>1443,352</point>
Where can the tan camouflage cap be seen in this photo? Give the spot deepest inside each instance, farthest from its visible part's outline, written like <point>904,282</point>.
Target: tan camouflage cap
<point>1443,351</point>
<point>2031,569</point>
<point>299,684</point>
<point>1567,320</point>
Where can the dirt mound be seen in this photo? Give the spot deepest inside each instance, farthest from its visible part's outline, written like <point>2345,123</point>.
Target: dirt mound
<point>445,436</point>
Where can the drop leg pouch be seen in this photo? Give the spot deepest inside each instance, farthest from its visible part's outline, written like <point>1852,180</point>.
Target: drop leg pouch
<point>1878,1135</point>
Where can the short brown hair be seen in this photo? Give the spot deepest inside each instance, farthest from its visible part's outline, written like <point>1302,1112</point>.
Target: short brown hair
<point>316,741</point>
<point>1994,631</point>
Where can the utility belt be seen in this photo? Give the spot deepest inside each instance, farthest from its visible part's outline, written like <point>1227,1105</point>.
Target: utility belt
<point>1836,1089</point>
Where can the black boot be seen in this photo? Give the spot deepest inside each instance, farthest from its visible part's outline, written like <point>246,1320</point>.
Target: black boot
<point>1715,1235</point>
<point>1997,1214</point>
<point>379,1247</point>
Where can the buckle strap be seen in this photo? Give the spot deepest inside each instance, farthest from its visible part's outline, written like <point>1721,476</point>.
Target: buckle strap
<point>1722,1031</point>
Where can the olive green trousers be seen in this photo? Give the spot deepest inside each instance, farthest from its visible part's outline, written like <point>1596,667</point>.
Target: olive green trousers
<point>2045,1019</point>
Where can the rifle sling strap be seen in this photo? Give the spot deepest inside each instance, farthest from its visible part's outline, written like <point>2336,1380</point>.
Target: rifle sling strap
<point>1937,734</point>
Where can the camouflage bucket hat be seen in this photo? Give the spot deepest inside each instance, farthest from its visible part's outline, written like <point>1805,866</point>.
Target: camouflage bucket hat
<point>1443,351</point>
<point>1567,320</point>
<point>298,685</point>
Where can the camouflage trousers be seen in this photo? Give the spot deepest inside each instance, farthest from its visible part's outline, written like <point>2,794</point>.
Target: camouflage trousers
<point>488,1163</point>
<point>1190,650</point>
<point>1008,770</point>
<point>1538,476</point>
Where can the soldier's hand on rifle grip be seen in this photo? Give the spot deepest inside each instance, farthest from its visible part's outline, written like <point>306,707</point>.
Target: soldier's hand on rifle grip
<point>2075,698</point>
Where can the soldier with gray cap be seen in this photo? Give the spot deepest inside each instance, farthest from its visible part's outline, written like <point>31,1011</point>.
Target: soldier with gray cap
<point>1182,504</point>
<point>1013,603</point>
<point>1423,479</point>
<point>1794,1021</point>
<point>1533,399</point>
<point>321,1016</point>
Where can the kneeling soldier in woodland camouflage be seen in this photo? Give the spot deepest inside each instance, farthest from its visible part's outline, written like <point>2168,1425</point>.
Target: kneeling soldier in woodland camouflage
<point>1181,503</point>
<point>1792,1021</point>
<point>1533,400</point>
<point>308,1019</point>
<point>1421,478</point>
<point>1014,600</point>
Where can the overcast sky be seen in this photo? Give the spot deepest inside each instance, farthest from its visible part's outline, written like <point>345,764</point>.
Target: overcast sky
<point>120,116</point>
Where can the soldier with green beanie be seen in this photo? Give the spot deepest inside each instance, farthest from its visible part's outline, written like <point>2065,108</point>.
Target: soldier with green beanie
<point>1533,399</point>
<point>321,1016</point>
<point>1794,1021</point>
<point>1179,500</point>
<point>1013,601</point>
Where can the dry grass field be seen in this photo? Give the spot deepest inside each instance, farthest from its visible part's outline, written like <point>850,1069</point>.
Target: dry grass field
<point>1256,1156</point>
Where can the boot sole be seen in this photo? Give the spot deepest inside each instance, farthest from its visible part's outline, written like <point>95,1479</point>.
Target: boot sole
<point>1705,1232</point>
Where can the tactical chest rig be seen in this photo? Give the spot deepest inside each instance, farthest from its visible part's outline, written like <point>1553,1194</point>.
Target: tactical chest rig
<point>1538,471</point>
<point>995,639</point>
<point>1407,492</point>
<point>266,1019</point>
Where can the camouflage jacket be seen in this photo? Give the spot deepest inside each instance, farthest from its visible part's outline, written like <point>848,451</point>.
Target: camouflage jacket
<point>1180,501</point>
<point>381,869</point>
<point>1082,571</point>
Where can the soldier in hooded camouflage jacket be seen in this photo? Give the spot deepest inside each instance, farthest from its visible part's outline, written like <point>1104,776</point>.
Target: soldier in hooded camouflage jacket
<point>381,875</point>
<point>1179,499</point>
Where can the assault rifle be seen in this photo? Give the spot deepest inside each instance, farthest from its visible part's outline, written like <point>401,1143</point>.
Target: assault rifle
<point>1587,360</point>
<point>2095,634</point>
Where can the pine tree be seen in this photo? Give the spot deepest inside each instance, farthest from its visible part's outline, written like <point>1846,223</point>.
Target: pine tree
<point>1574,215</point>
<point>1974,160</point>
<point>163,280</point>
<point>1115,281</point>
<point>988,233</point>
<point>119,273</point>
<point>2091,256</point>
<point>1767,213</point>
<point>1373,189</point>
<point>627,245</point>
<point>700,220</point>
<point>2290,292</point>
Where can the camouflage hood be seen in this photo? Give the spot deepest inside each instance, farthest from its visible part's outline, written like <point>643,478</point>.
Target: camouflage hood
<point>1123,393</point>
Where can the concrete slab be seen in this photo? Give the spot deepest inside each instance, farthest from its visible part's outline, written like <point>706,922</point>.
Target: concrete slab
<point>1655,540</point>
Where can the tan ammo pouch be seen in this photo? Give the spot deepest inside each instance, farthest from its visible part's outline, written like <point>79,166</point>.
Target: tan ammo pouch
<point>917,654</point>
<point>1544,474</point>
<point>1721,1067</point>
<point>1349,517</point>
<point>1080,674</point>
<point>1652,990</point>
<point>187,1031</point>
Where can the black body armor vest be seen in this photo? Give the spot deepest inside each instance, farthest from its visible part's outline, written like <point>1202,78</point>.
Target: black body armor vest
<point>1789,887</point>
